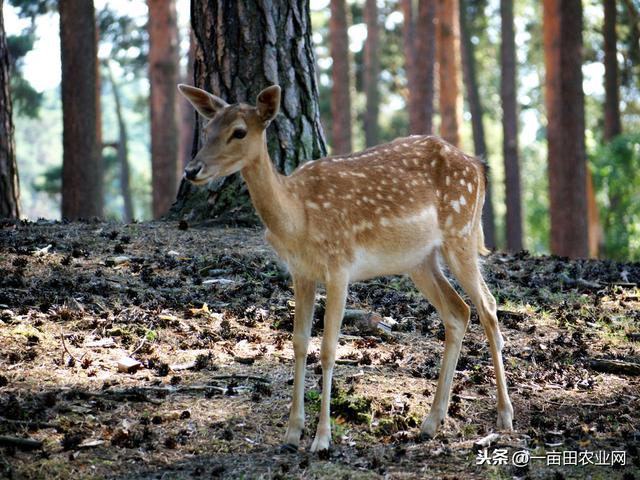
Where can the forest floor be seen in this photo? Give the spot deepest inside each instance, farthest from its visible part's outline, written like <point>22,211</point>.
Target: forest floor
<point>207,313</point>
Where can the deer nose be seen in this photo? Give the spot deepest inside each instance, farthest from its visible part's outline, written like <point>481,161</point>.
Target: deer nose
<point>192,173</point>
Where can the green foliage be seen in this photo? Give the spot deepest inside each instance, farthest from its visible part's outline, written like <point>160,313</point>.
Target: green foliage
<point>616,173</point>
<point>50,182</point>
<point>128,38</point>
<point>351,407</point>
<point>345,404</point>
<point>32,8</point>
<point>26,99</point>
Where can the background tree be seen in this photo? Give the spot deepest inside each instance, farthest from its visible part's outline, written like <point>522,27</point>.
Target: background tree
<point>9,188</point>
<point>425,51</point>
<point>371,73</point>
<point>562,24</point>
<point>245,48</point>
<point>82,166</point>
<point>408,45</point>
<point>420,51</point>
<point>122,149</point>
<point>163,76</point>
<point>449,70</point>
<point>510,128</point>
<point>187,113</point>
<point>612,125</point>
<point>340,91</point>
<point>477,113</point>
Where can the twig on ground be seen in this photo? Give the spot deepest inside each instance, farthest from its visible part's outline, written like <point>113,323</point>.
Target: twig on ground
<point>241,377</point>
<point>64,345</point>
<point>28,423</point>
<point>137,349</point>
<point>618,367</point>
<point>21,443</point>
<point>486,442</point>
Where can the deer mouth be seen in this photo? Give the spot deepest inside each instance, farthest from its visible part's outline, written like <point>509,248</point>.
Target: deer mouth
<point>200,181</point>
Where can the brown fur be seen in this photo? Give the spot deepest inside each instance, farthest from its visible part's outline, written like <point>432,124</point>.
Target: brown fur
<point>350,201</point>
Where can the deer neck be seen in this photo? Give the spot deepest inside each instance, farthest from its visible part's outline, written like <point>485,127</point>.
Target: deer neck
<point>270,194</point>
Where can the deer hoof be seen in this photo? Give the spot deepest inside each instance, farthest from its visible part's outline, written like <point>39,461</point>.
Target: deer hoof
<point>321,446</point>
<point>429,428</point>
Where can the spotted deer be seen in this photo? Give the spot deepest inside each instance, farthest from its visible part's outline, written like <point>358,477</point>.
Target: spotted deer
<point>390,209</point>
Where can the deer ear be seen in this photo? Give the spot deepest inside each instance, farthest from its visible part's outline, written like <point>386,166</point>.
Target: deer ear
<point>205,103</point>
<point>268,103</point>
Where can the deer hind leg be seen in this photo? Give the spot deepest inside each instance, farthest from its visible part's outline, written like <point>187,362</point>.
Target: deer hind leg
<point>334,311</point>
<point>464,265</point>
<point>304,292</point>
<point>454,312</point>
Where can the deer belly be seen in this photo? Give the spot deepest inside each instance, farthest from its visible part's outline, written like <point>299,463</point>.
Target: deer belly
<point>397,245</point>
<point>370,263</point>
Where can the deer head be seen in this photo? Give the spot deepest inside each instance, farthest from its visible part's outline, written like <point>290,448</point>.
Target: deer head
<point>233,135</point>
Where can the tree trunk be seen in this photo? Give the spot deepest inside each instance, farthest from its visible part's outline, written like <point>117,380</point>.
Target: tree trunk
<point>408,39</point>
<point>123,151</point>
<point>562,31</point>
<point>98,78</point>
<point>612,125</point>
<point>340,92</point>
<point>163,76</point>
<point>9,186</point>
<point>243,48</point>
<point>449,70</point>
<point>510,128</point>
<point>371,73</point>
<point>82,162</point>
<point>425,56</point>
<point>187,113</point>
<point>477,112</point>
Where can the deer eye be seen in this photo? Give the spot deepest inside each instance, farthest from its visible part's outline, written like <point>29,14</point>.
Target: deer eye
<point>239,133</point>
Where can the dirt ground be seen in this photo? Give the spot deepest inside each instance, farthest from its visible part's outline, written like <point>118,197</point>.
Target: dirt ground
<point>207,313</point>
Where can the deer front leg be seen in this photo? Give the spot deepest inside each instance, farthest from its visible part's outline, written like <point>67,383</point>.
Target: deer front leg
<point>336,297</point>
<point>304,292</point>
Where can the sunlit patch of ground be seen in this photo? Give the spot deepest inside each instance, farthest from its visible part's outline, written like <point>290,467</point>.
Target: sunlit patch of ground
<point>111,291</point>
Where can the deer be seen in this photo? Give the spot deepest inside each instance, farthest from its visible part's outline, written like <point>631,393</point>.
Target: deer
<point>398,208</point>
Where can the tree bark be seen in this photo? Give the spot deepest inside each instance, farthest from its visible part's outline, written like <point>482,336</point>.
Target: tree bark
<point>187,113</point>
<point>510,128</point>
<point>612,125</point>
<point>340,92</point>
<point>371,73</point>
<point>163,76</point>
<point>98,78</point>
<point>122,151</point>
<point>9,186</point>
<point>241,49</point>
<point>408,39</point>
<point>562,32</point>
<point>82,162</point>
<point>449,70</point>
<point>477,112</point>
<point>425,56</point>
